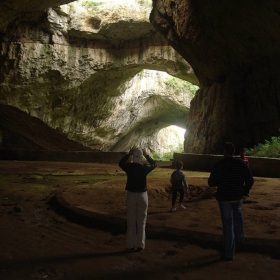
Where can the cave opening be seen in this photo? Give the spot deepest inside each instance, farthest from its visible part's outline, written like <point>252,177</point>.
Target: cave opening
<point>170,139</point>
<point>157,105</point>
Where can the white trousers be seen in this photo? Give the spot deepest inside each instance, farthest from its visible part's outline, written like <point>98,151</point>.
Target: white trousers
<point>137,208</point>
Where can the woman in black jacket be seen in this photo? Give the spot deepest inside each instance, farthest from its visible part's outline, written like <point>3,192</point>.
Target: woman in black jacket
<point>137,197</point>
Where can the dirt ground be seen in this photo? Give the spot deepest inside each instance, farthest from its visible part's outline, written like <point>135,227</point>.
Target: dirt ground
<point>38,243</point>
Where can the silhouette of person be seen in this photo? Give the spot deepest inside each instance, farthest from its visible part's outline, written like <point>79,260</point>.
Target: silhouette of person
<point>232,177</point>
<point>137,197</point>
<point>178,185</point>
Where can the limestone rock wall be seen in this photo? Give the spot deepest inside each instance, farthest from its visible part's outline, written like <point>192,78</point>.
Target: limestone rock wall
<point>144,109</point>
<point>63,64</point>
<point>233,48</point>
<point>10,10</point>
<point>73,68</point>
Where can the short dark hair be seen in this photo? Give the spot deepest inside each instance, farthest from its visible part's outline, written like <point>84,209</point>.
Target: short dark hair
<point>179,164</point>
<point>229,148</point>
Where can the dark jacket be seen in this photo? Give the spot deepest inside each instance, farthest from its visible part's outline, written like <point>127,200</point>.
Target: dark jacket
<point>136,173</point>
<point>232,177</point>
<point>178,180</point>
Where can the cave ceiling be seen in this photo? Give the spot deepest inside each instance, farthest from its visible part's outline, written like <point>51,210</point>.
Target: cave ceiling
<point>12,9</point>
<point>81,72</point>
<point>230,48</point>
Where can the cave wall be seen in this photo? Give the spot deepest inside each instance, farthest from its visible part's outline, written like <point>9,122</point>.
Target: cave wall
<point>233,47</point>
<point>73,68</point>
<point>11,10</point>
<point>56,65</point>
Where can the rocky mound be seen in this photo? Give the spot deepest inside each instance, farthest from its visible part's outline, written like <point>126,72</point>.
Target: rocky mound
<point>18,130</point>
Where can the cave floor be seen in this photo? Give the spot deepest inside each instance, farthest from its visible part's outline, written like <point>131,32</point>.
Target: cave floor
<point>40,243</point>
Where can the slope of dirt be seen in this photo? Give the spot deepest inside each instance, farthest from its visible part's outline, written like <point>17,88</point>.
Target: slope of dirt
<point>20,131</point>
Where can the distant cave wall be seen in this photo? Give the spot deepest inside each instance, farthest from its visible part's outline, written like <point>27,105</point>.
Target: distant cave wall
<point>146,107</point>
<point>234,51</point>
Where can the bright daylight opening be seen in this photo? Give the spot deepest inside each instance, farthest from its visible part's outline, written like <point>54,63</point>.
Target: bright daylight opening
<point>170,140</point>
<point>121,2</point>
<point>134,6</point>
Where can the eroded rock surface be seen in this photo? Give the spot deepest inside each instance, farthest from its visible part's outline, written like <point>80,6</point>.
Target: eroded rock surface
<point>68,64</point>
<point>75,66</point>
<point>233,48</point>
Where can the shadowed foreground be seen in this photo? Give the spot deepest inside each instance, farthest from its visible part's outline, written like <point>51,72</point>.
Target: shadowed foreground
<point>38,243</point>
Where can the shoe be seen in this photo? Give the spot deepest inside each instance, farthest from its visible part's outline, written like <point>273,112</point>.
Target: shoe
<point>173,209</point>
<point>139,249</point>
<point>181,207</point>
<point>130,250</point>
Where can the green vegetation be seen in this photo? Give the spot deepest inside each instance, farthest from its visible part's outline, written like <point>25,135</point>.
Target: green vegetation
<point>178,86</point>
<point>164,157</point>
<point>169,155</point>
<point>268,149</point>
<point>145,2</point>
<point>89,4</point>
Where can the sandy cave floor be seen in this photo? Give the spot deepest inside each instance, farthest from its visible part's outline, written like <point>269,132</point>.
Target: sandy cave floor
<point>37,243</point>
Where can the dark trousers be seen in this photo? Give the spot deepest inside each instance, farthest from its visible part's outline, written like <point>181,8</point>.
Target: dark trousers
<point>232,220</point>
<point>174,196</point>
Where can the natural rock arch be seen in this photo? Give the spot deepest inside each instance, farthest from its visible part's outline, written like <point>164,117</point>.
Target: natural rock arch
<point>70,78</point>
<point>232,47</point>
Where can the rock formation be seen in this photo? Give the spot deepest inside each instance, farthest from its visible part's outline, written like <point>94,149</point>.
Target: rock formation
<point>24,132</point>
<point>71,65</point>
<point>77,67</point>
<point>233,47</point>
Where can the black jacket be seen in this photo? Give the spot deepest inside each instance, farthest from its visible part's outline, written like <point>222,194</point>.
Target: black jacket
<point>232,177</point>
<point>178,180</point>
<point>136,173</point>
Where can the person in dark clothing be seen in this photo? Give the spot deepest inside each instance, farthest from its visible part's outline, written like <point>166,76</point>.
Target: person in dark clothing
<point>178,185</point>
<point>233,179</point>
<point>137,197</point>
<point>243,157</point>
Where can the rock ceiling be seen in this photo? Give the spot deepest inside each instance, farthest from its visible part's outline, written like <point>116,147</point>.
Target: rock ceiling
<point>73,68</point>
<point>232,47</point>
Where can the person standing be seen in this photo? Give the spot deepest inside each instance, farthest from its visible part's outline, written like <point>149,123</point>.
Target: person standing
<point>137,197</point>
<point>178,185</point>
<point>243,156</point>
<point>233,179</point>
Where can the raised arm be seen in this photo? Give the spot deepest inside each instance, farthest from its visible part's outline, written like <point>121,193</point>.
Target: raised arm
<point>152,164</point>
<point>124,159</point>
